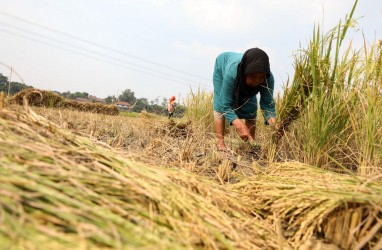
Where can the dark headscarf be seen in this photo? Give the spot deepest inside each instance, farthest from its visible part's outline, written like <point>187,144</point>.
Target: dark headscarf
<point>254,61</point>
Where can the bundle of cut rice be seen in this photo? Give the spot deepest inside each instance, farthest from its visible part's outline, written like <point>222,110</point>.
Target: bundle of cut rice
<point>60,191</point>
<point>43,98</point>
<point>308,201</point>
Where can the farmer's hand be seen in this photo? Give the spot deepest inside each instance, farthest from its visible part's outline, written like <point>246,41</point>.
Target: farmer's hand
<point>272,121</point>
<point>275,126</point>
<point>242,130</point>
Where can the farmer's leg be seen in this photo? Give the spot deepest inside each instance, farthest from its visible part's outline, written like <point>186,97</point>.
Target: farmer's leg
<point>219,120</point>
<point>219,124</point>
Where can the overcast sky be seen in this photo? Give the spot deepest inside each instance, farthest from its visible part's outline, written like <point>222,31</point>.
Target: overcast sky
<point>159,47</point>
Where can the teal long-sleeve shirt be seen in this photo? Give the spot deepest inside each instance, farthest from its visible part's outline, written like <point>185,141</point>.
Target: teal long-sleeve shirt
<point>224,77</point>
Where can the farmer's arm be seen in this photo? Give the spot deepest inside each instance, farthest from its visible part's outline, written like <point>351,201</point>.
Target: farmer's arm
<point>227,99</point>
<point>267,103</point>
<point>227,103</point>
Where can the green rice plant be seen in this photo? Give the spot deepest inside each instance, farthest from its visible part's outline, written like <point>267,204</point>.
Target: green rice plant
<point>199,109</point>
<point>341,125</point>
<point>326,120</point>
<point>366,114</point>
<point>321,93</point>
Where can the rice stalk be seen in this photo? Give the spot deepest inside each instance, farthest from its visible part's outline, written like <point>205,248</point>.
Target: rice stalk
<point>327,87</point>
<point>366,122</point>
<point>200,109</point>
<point>312,69</point>
<point>2,100</point>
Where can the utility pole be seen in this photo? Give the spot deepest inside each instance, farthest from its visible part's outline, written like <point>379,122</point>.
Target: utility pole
<point>9,81</point>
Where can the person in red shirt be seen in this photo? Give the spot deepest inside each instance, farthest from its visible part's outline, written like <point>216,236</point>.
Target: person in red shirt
<point>171,107</point>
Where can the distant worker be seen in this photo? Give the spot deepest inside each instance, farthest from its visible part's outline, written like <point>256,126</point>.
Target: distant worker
<point>171,107</point>
<point>237,79</point>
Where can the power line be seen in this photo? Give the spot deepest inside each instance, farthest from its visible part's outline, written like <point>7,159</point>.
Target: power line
<point>98,45</point>
<point>92,57</point>
<point>94,52</point>
<point>17,74</point>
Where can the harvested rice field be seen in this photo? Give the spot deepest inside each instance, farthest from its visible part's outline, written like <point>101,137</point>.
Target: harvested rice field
<point>76,180</point>
<point>76,176</point>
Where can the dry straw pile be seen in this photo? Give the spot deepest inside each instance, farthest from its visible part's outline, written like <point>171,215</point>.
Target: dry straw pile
<point>61,191</point>
<point>43,98</point>
<point>304,201</point>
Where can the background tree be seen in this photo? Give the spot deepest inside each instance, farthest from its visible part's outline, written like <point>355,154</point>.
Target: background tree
<point>165,101</point>
<point>79,94</point>
<point>155,101</point>
<point>3,79</point>
<point>127,96</point>
<point>179,111</point>
<point>65,94</point>
<point>141,103</point>
<point>15,86</point>
<point>110,99</point>
<point>74,95</point>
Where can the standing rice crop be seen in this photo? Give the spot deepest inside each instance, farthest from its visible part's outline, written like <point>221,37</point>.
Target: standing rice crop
<point>366,113</point>
<point>200,109</point>
<point>316,73</point>
<point>334,99</point>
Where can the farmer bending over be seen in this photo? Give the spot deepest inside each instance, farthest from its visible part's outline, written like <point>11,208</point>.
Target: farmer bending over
<point>237,79</point>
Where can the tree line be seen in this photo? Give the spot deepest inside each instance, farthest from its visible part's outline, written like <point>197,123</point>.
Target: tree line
<point>13,87</point>
<point>156,106</point>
